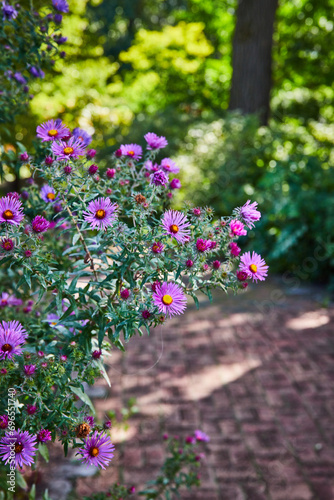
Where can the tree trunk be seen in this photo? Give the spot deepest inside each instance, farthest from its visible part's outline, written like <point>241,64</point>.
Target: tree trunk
<point>251,60</point>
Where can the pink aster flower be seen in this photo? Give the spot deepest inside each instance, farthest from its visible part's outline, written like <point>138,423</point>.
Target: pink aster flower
<point>11,211</point>
<point>12,337</point>
<point>234,249</point>
<point>48,194</point>
<point>249,213</point>
<point>24,447</point>
<point>52,130</point>
<point>9,300</point>
<point>201,436</point>
<point>132,150</point>
<point>154,141</point>
<point>242,276</point>
<point>170,299</point>
<point>237,228</point>
<point>175,184</point>
<point>101,213</point>
<point>31,409</point>
<point>169,165</point>
<point>98,450</point>
<point>254,266</point>
<point>203,245</point>
<point>7,244</point>
<point>152,167</point>
<point>43,436</point>
<point>39,224</point>
<point>157,247</point>
<point>176,225</point>
<point>71,149</point>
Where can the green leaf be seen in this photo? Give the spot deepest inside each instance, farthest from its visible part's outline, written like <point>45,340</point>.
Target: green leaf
<point>196,301</point>
<point>43,449</point>
<point>75,238</point>
<point>32,494</point>
<point>20,481</point>
<point>83,397</point>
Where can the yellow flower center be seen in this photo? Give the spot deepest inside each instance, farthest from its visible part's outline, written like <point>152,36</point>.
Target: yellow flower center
<point>8,214</point>
<point>167,300</point>
<point>53,132</point>
<point>18,447</point>
<point>155,248</point>
<point>80,138</point>
<point>131,153</point>
<point>68,150</point>
<point>51,196</point>
<point>53,323</point>
<point>100,214</point>
<point>174,228</point>
<point>7,245</point>
<point>253,268</point>
<point>6,348</point>
<point>94,452</point>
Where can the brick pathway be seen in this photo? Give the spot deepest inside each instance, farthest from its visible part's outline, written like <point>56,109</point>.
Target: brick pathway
<point>256,373</point>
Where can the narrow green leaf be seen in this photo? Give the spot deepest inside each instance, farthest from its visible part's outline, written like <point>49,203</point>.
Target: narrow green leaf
<point>84,398</point>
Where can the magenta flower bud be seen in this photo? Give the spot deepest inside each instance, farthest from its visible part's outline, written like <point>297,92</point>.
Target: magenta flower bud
<point>244,284</point>
<point>3,371</point>
<point>165,436</point>
<point>24,156</point>
<point>40,354</point>
<point>125,294</point>
<point>190,440</point>
<point>108,191</point>
<point>3,421</point>
<point>44,365</point>
<point>67,169</point>
<point>235,249</point>
<point>43,436</point>
<point>107,424</point>
<point>63,357</point>
<point>175,184</point>
<point>25,195</point>
<point>118,153</point>
<point>7,244</point>
<point>93,169</point>
<point>31,409</point>
<point>91,153</point>
<point>197,211</point>
<point>110,173</point>
<point>242,275</point>
<point>216,264</point>
<point>205,267</point>
<point>170,195</point>
<point>146,314</point>
<point>132,490</point>
<point>29,370</point>
<point>189,263</point>
<point>96,354</point>
<point>48,160</point>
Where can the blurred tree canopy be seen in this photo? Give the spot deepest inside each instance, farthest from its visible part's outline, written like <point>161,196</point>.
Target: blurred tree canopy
<point>166,66</point>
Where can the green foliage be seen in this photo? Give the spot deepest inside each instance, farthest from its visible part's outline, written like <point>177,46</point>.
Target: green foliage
<point>288,169</point>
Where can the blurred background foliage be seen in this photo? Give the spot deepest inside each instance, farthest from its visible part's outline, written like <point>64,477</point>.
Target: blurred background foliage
<point>166,66</point>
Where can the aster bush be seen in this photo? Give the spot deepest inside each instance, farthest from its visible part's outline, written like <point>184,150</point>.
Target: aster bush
<point>88,260</point>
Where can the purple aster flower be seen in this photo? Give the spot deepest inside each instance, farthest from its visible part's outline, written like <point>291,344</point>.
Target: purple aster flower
<point>71,149</point>
<point>170,299</point>
<point>175,184</point>
<point>24,447</point>
<point>61,39</point>
<point>8,11</point>
<point>58,18</point>
<point>249,213</point>
<point>157,247</point>
<point>237,228</point>
<point>169,165</point>
<point>3,421</point>
<point>9,300</point>
<point>43,436</point>
<point>12,336</point>
<point>29,370</point>
<point>203,245</point>
<point>201,436</point>
<point>132,150</point>
<point>151,167</point>
<point>52,130</point>
<point>101,213</point>
<point>154,141</point>
<point>20,78</point>
<point>7,244</point>
<point>39,224</point>
<point>11,211</point>
<point>36,72</point>
<point>176,225</point>
<point>159,178</point>
<point>48,194</point>
<point>98,450</point>
<point>52,319</point>
<point>61,5</point>
<point>234,249</point>
<point>82,135</point>
<point>254,266</point>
